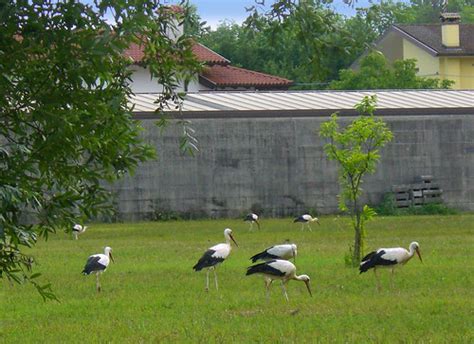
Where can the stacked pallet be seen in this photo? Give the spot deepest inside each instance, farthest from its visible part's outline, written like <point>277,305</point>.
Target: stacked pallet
<point>423,191</point>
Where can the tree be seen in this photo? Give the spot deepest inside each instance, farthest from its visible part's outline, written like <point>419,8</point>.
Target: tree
<point>66,124</point>
<point>376,73</point>
<point>356,150</point>
<point>308,46</point>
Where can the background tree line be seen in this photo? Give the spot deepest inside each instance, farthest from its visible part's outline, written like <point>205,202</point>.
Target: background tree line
<point>309,43</point>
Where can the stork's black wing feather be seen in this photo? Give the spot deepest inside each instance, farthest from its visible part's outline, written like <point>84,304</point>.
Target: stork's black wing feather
<point>207,260</point>
<point>263,255</point>
<point>248,217</point>
<point>368,256</point>
<point>299,219</point>
<point>373,259</point>
<point>264,268</point>
<point>92,265</point>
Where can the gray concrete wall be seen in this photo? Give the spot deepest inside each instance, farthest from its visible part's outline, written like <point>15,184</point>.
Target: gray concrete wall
<point>278,164</point>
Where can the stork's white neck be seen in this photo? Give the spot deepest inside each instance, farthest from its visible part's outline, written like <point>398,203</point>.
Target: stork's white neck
<point>411,251</point>
<point>227,238</point>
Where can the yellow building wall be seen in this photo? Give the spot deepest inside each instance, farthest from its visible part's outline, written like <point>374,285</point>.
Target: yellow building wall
<point>467,73</point>
<point>450,68</point>
<point>428,65</point>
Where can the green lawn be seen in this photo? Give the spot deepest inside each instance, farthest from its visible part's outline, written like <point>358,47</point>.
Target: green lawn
<point>151,294</point>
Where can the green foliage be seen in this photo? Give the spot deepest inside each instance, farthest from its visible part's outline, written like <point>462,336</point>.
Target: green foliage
<point>151,294</point>
<point>431,209</point>
<point>66,122</point>
<point>307,42</point>
<point>307,46</point>
<point>376,73</point>
<point>388,207</point>
<point>356,150</point>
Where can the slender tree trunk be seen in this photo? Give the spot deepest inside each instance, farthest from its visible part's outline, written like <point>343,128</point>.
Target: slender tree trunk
<point>357,243</point>
<point>356,254</point>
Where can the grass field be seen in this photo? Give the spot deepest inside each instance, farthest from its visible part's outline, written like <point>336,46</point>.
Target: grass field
<point>152,295</point>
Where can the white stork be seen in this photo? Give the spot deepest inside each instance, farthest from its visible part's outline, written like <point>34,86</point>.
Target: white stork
<point>306,219</point>
<point>388,258</point>
<point>252,218</point>
<point>78,229</point>
<point>98,263</point>
<point>284,251</point>
<point>215,255</point>
<point>278,269</point>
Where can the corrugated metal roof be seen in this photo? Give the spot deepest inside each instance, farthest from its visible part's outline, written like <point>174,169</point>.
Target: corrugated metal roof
<point>311,100</point>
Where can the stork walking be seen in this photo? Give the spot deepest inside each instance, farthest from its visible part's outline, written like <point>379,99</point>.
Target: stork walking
<point>284,251</point>
<point>78,229</point>
<point>278,269</point>
<point>252,218</point>
<point>98,263</point>
<point>306,219</point>
<point>214,256</point>
<point>388,258</point>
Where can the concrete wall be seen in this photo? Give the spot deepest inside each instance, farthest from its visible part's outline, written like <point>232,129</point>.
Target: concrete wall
<point>279,164</point>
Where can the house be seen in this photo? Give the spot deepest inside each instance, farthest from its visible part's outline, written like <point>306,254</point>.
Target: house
<point>217,75</point>
<point>444,50</point>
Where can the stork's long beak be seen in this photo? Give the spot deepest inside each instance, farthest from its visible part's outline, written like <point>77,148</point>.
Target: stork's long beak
<point>111,257</point>
<point>309,288</point>
<point>258,224</point>
<point>419,254</point>
<point>318,222</point>
<point>235,242</point>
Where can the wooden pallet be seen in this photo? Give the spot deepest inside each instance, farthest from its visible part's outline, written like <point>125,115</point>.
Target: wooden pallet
<point>423,191</point>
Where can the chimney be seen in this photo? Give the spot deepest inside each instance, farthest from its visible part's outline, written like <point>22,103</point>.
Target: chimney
<point>450,29</point>
<point>175,14</point>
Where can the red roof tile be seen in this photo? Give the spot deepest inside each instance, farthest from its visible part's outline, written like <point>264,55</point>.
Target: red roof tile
<point>218,73</point>
<point>202,53</point>
<point>229,76</point>
<point>135,52</point>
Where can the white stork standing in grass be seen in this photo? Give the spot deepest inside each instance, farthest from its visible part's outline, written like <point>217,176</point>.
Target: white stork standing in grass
<point>306,219</point>
<point>78,229</point>
<point>278,269</point>
<point>285,251</point>
<point>252,218</point>
<point>388,258</point>
<point>98,263</point>
<point>215,255</point>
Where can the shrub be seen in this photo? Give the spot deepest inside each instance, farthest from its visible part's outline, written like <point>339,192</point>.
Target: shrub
<point>388,207</point>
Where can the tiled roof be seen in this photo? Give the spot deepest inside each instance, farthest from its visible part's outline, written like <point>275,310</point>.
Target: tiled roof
<point>202,53</point>
<point>229,76</point>
<point>206,55</point>
<point>135,52</point>
<point>430,35</point>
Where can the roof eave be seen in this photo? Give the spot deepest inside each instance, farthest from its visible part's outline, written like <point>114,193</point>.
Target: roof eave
<point>224,62</point>
<point>415,41</point>
<point>258,85</point>
<point>207,82</point>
